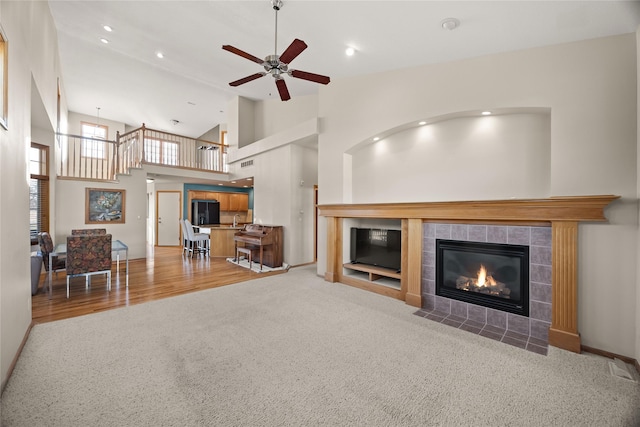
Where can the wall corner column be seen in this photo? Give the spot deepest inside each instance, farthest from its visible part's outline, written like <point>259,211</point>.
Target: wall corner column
<point>563,332</point>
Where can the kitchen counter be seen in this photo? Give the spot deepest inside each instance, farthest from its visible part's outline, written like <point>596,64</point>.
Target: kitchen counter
<point>222,243</point>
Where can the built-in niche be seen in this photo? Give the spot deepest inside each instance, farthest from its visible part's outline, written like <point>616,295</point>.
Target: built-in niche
<point>468,157</point>
<point>372,251</point>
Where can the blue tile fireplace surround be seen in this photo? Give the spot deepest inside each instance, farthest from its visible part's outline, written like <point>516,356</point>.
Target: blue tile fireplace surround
<point>526,332</point>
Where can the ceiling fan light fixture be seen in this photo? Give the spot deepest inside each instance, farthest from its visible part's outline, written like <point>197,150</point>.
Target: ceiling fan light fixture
<point>278,65</point>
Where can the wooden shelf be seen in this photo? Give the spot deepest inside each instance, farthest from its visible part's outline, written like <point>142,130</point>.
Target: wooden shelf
<point>375,273</point>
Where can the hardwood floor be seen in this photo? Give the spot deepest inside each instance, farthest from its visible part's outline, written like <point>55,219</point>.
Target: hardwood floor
<point>164,273</point>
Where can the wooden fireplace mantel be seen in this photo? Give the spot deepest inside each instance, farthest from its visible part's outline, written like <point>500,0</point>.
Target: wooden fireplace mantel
<point>562,213</point>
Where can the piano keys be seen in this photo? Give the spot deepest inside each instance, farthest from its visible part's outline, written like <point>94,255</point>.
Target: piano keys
<point>265,242</point>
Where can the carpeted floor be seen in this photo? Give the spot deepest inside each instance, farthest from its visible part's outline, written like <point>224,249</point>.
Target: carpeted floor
<point>294,350</point>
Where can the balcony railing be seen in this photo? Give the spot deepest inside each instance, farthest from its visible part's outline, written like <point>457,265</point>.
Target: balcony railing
<point>98,159</point>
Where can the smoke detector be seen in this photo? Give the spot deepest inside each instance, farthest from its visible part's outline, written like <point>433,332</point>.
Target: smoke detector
<point>450,24</point>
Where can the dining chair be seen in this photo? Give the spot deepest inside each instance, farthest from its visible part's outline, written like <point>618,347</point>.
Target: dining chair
<point>88,255</point>
<point>46,247</point>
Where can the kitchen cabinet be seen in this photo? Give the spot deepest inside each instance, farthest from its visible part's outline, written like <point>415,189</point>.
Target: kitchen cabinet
<point>223,198</point>
<point>238,202</point>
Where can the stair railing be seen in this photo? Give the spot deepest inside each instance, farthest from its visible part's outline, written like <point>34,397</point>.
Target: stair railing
<point>97,159</point>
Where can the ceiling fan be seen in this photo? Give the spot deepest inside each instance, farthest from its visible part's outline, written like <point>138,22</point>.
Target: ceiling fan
<point>278,65</point>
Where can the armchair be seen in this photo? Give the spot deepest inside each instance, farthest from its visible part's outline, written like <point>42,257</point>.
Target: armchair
<point>88,255</point>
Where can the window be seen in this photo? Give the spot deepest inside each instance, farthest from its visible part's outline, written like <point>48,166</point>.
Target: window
<point>38,190</point>
<point>161,152</point>
<point>93,144</point>
<point>4,80</point>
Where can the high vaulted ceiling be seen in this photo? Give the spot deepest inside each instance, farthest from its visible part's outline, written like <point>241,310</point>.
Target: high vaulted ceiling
<point>132,85</point>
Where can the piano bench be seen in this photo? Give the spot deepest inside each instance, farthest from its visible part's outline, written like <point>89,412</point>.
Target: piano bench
<point>247,252</point>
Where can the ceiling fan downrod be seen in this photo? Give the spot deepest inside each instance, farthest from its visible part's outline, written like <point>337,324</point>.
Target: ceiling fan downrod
<point>277,4</point>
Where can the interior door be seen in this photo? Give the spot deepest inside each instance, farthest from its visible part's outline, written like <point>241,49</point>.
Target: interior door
<point>168,218</point>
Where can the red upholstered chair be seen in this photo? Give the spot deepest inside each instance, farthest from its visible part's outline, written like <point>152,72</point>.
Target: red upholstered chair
<point>88,255</point>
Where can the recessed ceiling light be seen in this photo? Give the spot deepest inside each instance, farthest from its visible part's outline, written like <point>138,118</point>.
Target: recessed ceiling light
<point>450,24</point>
<point>233,182</point>
<point>350,51</point>
<point>249,179</point>
<point>220,184</point>
<point>486,113</point>
<point>105,41</point>
<point>245,186</point>
<point>160,55</point>
<point>107,28</point>
<point>376,139</point>
<point>422,123</point>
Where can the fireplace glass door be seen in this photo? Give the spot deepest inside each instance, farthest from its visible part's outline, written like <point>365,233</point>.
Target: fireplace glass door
<point>488,274</point>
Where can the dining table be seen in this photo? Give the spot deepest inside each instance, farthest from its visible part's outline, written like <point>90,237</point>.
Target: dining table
<point>117,246</point>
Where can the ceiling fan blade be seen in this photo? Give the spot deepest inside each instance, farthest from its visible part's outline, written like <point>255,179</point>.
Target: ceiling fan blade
<point>282,88</point>
<point>310,76</point>
<point>295,48</point>
<point>247,79</point>
<point>242,53</point>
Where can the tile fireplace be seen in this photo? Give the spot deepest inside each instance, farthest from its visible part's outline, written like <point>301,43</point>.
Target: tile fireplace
<point>493,275</point>
<point>518,259</point>
<point>513,219</point>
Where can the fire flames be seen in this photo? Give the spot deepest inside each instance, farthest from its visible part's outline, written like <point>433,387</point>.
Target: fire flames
<point>483,283</point>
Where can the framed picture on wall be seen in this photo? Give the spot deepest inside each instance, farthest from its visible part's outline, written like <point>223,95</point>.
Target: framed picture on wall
<point>104,205</point>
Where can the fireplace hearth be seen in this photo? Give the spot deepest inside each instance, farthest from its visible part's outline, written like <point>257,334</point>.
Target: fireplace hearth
<point>487,274</point>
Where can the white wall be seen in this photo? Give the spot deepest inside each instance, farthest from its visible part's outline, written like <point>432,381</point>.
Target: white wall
<point>304,175</point>
<point>70,210</point>
<point>637,260</point>
<point>33,51</point>
<point>463,158</point>
<point>274,116</point>
<point>281,161</point>
<point>586,86</point>
<point>112,127</point>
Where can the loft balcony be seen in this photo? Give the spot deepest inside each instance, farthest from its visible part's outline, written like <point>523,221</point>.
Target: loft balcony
<point>99,159</point>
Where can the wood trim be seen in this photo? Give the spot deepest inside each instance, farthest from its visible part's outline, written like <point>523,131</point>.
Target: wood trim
<point>371,287</point>
<point>15,358</point>
<point>564,241</point>
<point>334,250</point>
<point>563,213</point>
<point>608,354</point>
<point>577,208</point>
<point>412,251</point>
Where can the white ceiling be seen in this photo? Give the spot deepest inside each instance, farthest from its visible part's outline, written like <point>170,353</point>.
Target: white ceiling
<point>131,85</point>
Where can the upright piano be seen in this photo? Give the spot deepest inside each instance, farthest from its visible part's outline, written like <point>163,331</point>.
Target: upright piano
<point>264,241</point>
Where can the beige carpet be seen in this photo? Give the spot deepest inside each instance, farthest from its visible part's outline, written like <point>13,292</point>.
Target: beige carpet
<point>294,350</point>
